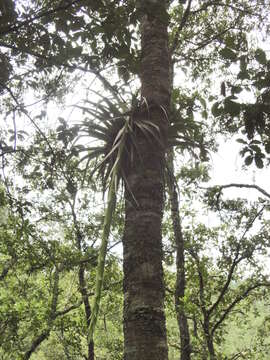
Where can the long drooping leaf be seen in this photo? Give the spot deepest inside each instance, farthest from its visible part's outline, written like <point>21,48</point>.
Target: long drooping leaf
<point>92,154</point>
<point>95,113</point>
<point>109,212</point>
<point>114,109</point>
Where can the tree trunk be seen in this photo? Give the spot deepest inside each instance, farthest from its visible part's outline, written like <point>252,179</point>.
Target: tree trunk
<point>180,264</point>
<point>87,310</point>
<point>144,319</point>
<point>209,340</point>
<point>83,287</point>
<point>211,349</point>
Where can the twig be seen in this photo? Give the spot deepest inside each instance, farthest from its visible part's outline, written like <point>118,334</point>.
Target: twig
<point>235,263</point>
<point>236,301</point>
<point>17,26</point>
<point>182,24</point>
<point>21,107</point>
<point>248,186</point>
<point>52,61</point>
<point>218,3</point>
<point>15,131</point>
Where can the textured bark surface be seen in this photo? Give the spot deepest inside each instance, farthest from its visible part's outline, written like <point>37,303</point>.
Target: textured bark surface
<point>211,349</point>
<point>83,288</point>
<point>180,282</point>
<point>144,319</point>
<point>87,310</point>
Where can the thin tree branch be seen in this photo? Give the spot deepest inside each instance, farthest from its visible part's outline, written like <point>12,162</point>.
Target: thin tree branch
<point>212,39</point>
<point>235,302</point>
<point>17,26</point>
<point>7,266</point>
<point>247,186</point>
<point>218,3</point>
<point>52,61</point>
<point>22,109</point>
<point>235,262</point>
<point>36,343</point>
<point>72,307</point>
<point>201,282</point>
<point>15,130</point>
<point>79,303</point>
<point>82,282</point>
<point>180,28</point>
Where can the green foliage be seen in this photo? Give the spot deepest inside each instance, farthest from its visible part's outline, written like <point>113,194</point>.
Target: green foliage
<point>224,277</point>
<point>228,54</point>
<point>54,53</point>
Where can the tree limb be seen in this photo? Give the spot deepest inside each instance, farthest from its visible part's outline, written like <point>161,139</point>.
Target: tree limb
<point>180,28</point>
<point>17,26</point>
<point>52,61</point>
<point>201,282</point>
<point>219,3</point>
<point>235,302</point>
<point>72,307</point>
<point>5,271</point>
<point>247,186</point>
<point>235,262</point>
<point>36,343</point>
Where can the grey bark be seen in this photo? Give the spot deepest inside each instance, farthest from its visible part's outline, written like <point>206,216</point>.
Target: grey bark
<point>180,283</point>
<point>144,319</point>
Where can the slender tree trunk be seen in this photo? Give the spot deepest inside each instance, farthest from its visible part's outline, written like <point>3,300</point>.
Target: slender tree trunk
<point>180,264</point>
<point>83,287</point>
<point>35,344</point>
<point>87,310</point>
<point>144,319</point>
<point>209,340</point>
<point>211,349</point>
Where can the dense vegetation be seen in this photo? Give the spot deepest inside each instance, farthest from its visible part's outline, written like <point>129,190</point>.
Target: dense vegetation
<point>114,241</point>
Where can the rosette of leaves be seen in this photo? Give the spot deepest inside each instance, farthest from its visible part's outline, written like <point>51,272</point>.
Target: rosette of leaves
<point>115,128</point>
<point>115,132</point>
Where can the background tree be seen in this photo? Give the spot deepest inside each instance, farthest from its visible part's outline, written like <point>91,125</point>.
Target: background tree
<point>52,49</point>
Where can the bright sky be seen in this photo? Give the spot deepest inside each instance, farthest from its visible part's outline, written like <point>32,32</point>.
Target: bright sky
<point>228,168</point>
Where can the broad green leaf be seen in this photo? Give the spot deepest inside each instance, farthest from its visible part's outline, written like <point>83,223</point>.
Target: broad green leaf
<point>267,148</point>
<point>230,41</point>
<point>243,74</point>
<point>204,114</point>
<point>255,148</point>
<point>243,63</point>
<point>232,107</point>
<point>248,160</point>
<point>45,41</point>
<point>202,101</point>
<point>241,141</point>
<point>260,56</point>
<point>75,52</point>
<point>258,162</point>
<point>216,109</point>
<point>262,83</point>
<point>236,89</point>
<point>257,142</point>
<point>228,54</point>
